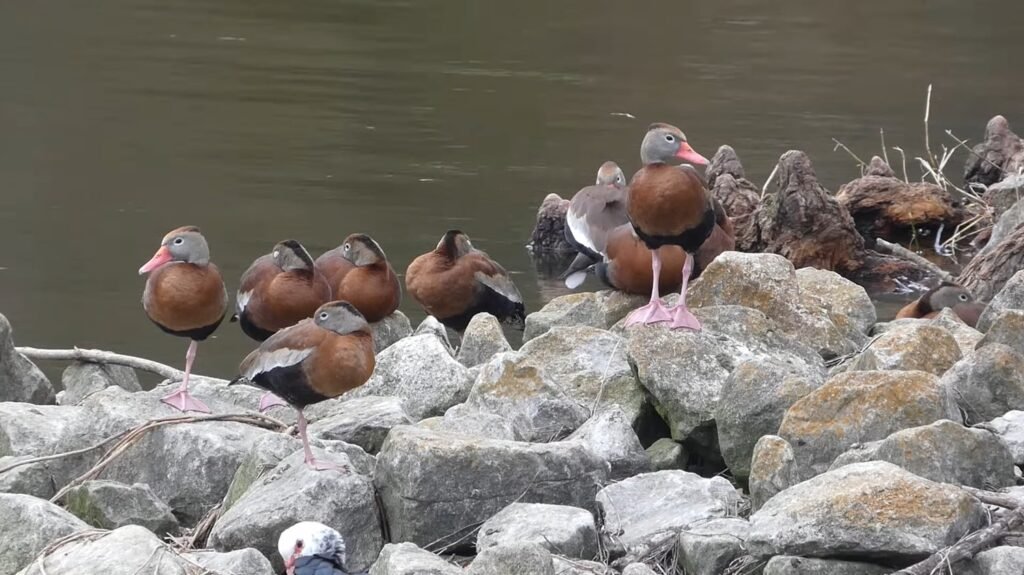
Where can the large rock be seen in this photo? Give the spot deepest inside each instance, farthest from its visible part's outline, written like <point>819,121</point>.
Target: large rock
<point>390,330</point>
<point>987,383</point>
<point>768,283</point>
<point>790,565</point>
<point>408,559</point>
<point>465,420</point>
<point>363,421</point>
<point>294,492</point>
<point>436,486</point>
<point>639,507</point>
<point>858,407</point>
<point>431,326</point>
<point>482,340</point>
<point>1007,329</point>
<point>754,400</point>
<point>570,566</point>
<point>81,379</point>
<point>610,436</point>
<point>667,454</point>
<point>1010,427</point>
<point>422,372</point>
<point>873,510</point>
<point>518,558</point>
<point>29,525</point>
<point>109,505</point>
<point>1000,561</point>
<point>966,337</point>
<point>263,455</point>
<point>20,379</point>
<point>684,370</point>
<point>1010,218</point>
<point>241,562</point>
<point>943,451</point>
<point>570,531</point>
<point>1010,297</point>
<point>709,548</point>
<point>601,309</point>
<point>556,381</point>
<point>845,302</point>
<point>773,469</point>
<point>911,347</point>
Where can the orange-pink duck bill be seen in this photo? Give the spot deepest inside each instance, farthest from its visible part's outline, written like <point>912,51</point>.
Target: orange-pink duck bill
<point>162,256</point>
<point>688,154</point>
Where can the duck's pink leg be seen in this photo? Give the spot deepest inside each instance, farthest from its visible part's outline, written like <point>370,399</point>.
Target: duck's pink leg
<point>269,400</point>
<point>310,460</point>
<point>182,400</point>
<point>681,315</point>
<point>655,311</point>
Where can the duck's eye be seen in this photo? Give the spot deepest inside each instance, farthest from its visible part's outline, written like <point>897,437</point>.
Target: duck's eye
<point>620,179</point>
<point>323,315</point>
<point>670,138</point>
<point>347,247</point>
<point>298,545</point>
<point>963,297</point>
<point>179,241</point>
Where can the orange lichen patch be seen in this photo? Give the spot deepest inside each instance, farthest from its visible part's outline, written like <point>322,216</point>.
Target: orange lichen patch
<point>770,458</point>
<point>900,502</point>
<point>516,381</point>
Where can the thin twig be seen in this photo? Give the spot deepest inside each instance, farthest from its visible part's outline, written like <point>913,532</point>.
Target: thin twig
<point>860,162</point>
<point>764,188</point>
<point>885,154</point>
<point>101,356</point>
<point>906,179</point>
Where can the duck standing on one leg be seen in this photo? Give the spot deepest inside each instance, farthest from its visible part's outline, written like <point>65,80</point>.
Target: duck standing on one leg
<point>669,205</point>
<point>312,548</point>
<point>184,296</point>
<point>314,360</point>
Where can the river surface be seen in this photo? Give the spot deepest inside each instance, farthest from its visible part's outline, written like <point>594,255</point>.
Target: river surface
<point>260,120</point>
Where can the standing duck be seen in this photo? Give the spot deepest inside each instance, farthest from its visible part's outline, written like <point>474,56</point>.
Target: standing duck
<point>944,295</point>
<point>593,213</point>
<point>312,548</point>
<point>669,205</point>
<point>362,276</point>
<point>314,360</point>
<point>184,296</point>
<point>457,281</point>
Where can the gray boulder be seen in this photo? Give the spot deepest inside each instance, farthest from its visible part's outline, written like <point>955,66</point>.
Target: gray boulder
<point>294,492</point>
<point>666,454</point>
<point>754,400</point>
<point>845,302</point>
<point>910,347</point>
<point>556,381</point>
<point>389,330</point>
<point>129,550</point>
<point>436,486</point>
<point>601,310</point>
<point>987,383</point>
<point>81,379</point>
<point>570,566</point>
<point>773,468</point>
<point>420,371</point>
<point>1003,560</point>
<point>30,524</point>
<point>638,569</point>
<point>570,531</point>
<point>945,452</point>
<point>1008,220</point>
<point>684,371</point>
<point>858,407</point>
<point>363,421</point>
<point>20,379</point>
<point>465,420</point>
<point>518,558</point>
<point>790,565</point>
<point>1010,427</point>
<point>966,337</point>
<point>482,340</point>
<point>610,436</point>
<point>408,559</point>
<point>1007,329</point>
<point>1010,297</point>
<point>708,548</point>
<point>637,508</point>
<point>873,510</point>
<point>109,505</point>
<point>241,562</point>
<point>263,455</point>
<point>431,326</point>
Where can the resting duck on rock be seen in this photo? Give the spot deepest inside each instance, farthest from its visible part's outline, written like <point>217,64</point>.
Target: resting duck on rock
<point>456,281</point>
<point>594,212</point>
<point>184,296</point>
<point>942,296</point>
<point>669,206</point>
<point>312,548</point>
<point>359,273</point>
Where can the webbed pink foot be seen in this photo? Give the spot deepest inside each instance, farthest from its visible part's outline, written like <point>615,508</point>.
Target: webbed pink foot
<point>683,318</point>
<point>182,400</point>
<point>653,312</point>
<point>269,400</point>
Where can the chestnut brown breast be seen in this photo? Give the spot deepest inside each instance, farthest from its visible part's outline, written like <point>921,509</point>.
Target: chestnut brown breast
<point>373,290</point>
<point>341,363</point>
<point>333,266</point>
<point>669,205</point>
<point>183,297</point>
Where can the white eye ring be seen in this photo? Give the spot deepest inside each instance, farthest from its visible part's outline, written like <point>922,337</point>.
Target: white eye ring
<point>669,138</point>
<point>323,315</point>
<point>179,241</point>
<point>963,297</point>
<point>276,253</point>
<point>348,247</point>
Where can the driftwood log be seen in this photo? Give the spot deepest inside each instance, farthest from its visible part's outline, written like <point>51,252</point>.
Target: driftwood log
<point>989,271</point>
<point>738,195</point>
<point>549,232</point>
<point>1000,154</point>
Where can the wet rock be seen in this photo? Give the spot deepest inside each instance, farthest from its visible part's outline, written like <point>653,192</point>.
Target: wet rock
<point>408,559</point>
<point>768,283</point>
<point>294,492</point>
<point>790,565</point>
<point>987,383</point>
<point>558,528</point>
<point>363,421</point>
<point>435,485</point>
<point>464,420</point>
<point>601,309</point>
<point>1010,427</point>
<point>1001,153</point>
<point>81,379</point>
<point>389,330</point>
<point>945,452</point>
<point>729,185</point>
<point>709,548</point>
<point>857,407</point>
<point>871,510</point>
<point>519,558</point>
<point>422,373</point>
<point>1003,560</point>
<point>568,566</point>
<point>554,382</point>
<point>666,454</point>
<point>482,340</point>
<point>241,562</point>
<point>20,379</point>
<point>1008,330</point>
<point>990,272</point>
<point>836,296</point>
<point>38,522</point>
<point>773,468</point>
<point>109,505</point>
<point>1010,297</point>
<point>639,507</point>
<point>610,436</point>
<point>910,347</point>
<point>431,326</point>
<point>684,371</point>
<point>549,232</point>
<point>754,400</point>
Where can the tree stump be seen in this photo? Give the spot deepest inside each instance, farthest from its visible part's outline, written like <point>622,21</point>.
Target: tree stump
<point>549,232</point>
<point>738,195</point>
<point>989,271</point>
<point>1001,153</point>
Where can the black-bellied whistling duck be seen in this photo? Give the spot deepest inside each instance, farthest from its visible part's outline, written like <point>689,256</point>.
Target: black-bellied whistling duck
<point>184,296</point>
<point>457,281</point>
<point>669,205</point>
<point>365,279</point>
<point>314,360</point>
<point>593,213</point>
<point>942,296</point>
<point>278,290</point>
<point>312,548</point>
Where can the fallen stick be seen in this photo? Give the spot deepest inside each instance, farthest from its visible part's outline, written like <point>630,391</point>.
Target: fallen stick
<point>902,252</point>
<point>969,545</point>
<point>994,498</point>
<point>108,357</point>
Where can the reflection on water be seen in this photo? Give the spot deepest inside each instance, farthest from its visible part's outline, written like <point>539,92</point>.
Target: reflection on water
<point>261,120</point>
